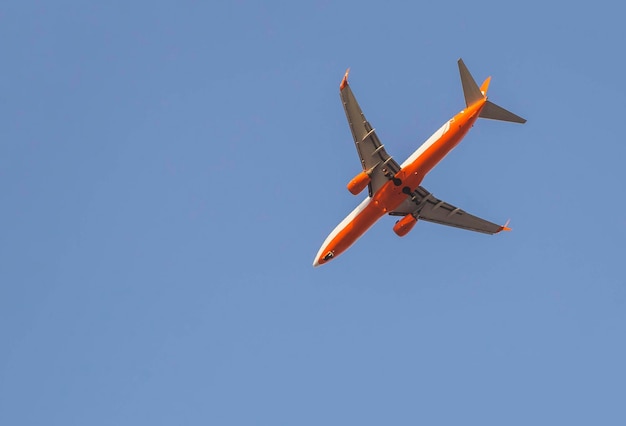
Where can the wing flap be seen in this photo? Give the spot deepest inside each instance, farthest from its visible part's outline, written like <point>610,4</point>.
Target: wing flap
<point>425,206</point>
<point>374,159</point>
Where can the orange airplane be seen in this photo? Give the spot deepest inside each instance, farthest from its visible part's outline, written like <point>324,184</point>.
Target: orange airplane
<point>395,188</point>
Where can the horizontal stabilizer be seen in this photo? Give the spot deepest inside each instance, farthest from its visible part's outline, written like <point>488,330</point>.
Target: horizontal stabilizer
<point>495,112</point>
<point>471,91</point>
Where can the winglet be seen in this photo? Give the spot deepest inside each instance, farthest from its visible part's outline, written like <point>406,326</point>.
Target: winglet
<point>506,226</point>
<point>344,82</point>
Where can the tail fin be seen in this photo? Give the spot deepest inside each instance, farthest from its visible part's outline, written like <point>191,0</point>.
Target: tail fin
<point>473,94</point>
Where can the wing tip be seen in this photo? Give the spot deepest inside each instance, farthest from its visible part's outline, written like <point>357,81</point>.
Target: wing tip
<point>344,81</point>
<point>505,227</point>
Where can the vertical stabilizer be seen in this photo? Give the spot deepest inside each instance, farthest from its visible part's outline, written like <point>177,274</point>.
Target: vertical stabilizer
<point>485,86</point>
<point>471,91</point>
<point>473,94</point>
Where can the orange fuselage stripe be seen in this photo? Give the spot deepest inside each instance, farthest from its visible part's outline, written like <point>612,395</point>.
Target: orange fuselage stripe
<point>390,196</point>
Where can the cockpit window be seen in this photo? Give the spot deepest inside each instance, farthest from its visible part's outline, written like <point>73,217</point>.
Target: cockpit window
<point>329,255</point>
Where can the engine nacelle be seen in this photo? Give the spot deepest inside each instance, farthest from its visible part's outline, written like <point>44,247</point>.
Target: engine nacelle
<point>404,225</point>
<point>359,183</point>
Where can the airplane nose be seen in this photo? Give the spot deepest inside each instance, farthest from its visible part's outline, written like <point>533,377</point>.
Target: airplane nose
<point>316,262</point>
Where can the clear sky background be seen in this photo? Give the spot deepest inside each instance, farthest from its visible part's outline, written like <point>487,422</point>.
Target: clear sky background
<point>168,170</point>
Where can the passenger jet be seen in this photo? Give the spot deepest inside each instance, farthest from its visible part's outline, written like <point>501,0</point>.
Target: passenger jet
<point>394,188</point>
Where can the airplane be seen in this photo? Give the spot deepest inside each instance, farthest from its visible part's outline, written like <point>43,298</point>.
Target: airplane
<point>394,188</point>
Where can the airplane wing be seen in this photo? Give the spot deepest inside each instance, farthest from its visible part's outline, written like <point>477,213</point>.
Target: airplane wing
<point>374,159</point>
<point>423,205</point>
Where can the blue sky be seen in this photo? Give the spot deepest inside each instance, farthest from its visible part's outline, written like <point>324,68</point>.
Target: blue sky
<point>168,171</point>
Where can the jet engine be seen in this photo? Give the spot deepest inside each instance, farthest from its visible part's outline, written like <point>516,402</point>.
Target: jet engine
<point>359,183</point>
<point>404,225</point>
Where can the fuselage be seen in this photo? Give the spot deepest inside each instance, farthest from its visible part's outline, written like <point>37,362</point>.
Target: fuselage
<point>393,193</point>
